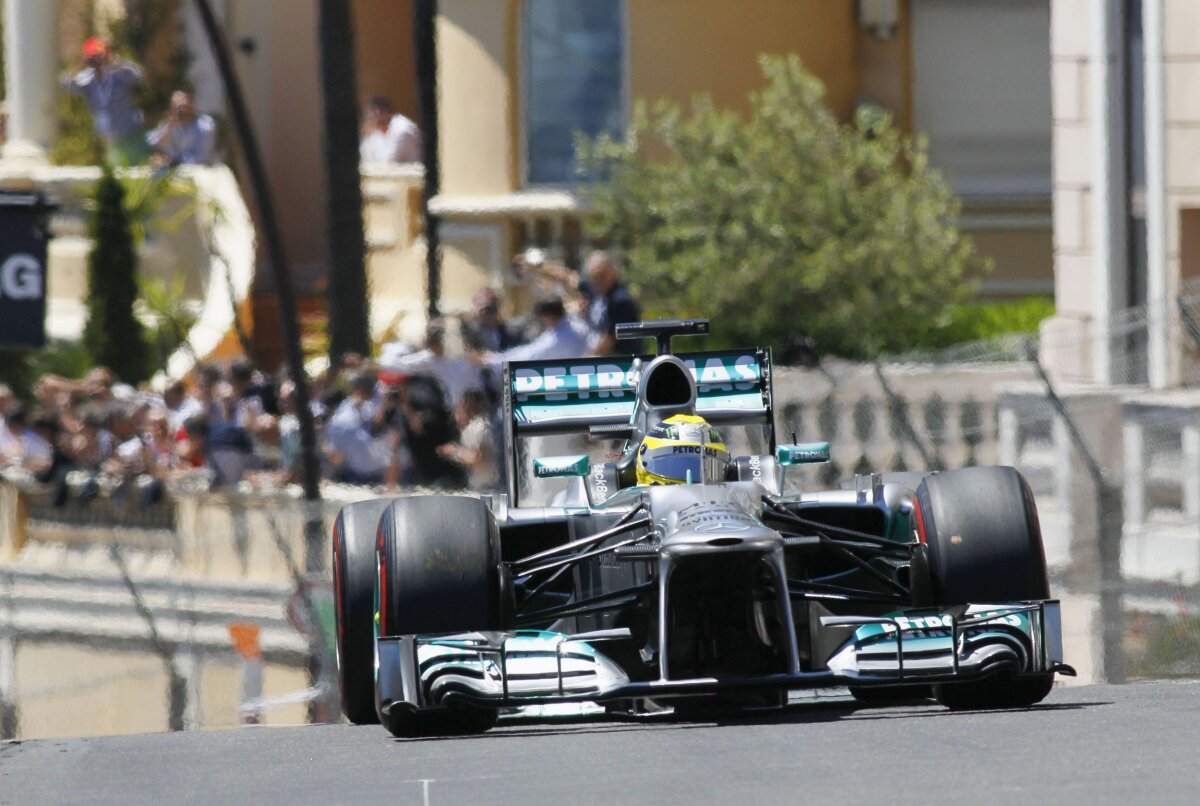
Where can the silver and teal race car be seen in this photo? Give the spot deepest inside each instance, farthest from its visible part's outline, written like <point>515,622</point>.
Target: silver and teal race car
<point>680,575</point>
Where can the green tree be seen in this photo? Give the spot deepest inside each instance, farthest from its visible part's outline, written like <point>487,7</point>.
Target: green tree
<point>113,335</point>
<point>151,33</point>
<point>784,223</point>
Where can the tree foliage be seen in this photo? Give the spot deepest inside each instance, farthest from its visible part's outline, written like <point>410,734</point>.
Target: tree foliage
<point>783,223</point>
<point>113,335</point>
<point>151,33</point>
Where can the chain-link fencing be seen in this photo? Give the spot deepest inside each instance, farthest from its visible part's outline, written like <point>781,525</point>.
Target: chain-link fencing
<point>198,612</point>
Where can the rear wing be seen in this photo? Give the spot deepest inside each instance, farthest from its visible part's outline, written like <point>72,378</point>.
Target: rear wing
<point>570,396</point>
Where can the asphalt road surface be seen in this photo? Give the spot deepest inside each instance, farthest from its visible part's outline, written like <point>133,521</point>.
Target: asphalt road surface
<point>1133,744</point>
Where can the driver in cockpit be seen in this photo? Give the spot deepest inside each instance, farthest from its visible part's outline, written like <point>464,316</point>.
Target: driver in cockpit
<point>682,449</point>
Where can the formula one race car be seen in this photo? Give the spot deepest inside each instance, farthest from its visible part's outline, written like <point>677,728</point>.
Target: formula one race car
<point>679,575</point>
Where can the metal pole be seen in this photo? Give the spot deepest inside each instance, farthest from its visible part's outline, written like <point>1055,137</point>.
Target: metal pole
<point>177,693</point>
<point>273,241</point>
<point>425,45</point>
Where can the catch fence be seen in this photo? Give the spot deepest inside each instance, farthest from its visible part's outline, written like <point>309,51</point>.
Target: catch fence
<point>196,612</point>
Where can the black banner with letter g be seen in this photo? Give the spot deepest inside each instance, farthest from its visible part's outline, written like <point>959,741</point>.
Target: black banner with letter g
<point>23,241</point>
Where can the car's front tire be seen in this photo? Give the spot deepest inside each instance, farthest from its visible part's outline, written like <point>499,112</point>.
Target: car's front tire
<point>439,562</point>
<point>984,544</point>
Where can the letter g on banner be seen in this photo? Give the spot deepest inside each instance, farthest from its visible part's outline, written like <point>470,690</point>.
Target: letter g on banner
<point>21,277</point>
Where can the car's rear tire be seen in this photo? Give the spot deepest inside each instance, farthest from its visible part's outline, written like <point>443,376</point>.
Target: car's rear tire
<point>354,534</point>
<point>983,544</point>
<point>439,560</point>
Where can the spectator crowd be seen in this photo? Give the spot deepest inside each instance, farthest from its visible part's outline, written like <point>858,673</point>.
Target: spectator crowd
<point>418,415</point>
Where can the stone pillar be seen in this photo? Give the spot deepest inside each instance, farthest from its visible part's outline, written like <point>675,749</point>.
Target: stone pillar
<point>31,68</point>
<point>1162,352</point>
<point>1110,271</point>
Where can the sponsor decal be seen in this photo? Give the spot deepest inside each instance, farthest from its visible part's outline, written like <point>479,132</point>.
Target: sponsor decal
<point>695,449</point>
<point>599,485</point>
<point>557,383</point>
<point>556,466</point>
<point>938,624</point>
<point>586,381</point>
<point>807,453</point>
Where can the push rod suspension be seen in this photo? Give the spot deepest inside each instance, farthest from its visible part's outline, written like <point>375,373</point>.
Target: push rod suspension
<point>625,524</point>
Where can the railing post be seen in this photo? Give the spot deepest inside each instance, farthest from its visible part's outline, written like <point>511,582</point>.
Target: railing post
<point>9,718</point>
<point>1097,515</point>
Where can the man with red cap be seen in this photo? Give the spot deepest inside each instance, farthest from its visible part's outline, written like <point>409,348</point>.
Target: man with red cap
<point>107,84</point>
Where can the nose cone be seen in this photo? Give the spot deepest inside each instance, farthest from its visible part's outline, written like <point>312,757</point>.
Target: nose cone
<point>712,518</point>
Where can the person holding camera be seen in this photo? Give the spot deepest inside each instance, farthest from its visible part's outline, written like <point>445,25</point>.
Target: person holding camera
<point>185,136</point>
<point>107,84</point>
<point>599,292</point>
<point>360,448</point>
<point>562,336</point>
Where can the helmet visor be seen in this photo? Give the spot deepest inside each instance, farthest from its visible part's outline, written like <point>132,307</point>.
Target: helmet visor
<point>681,467</point>
<point>686,463</point>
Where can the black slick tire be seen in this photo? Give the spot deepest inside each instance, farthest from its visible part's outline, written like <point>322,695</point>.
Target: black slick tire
<point>984,544</point>
<point>354,535</point>
<point>440,567</point>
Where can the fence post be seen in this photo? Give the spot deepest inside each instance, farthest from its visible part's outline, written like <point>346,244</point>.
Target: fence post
<point>906,426</point>
<point>177,687</point>
<point>321,666</point>
<point>9,719</point>
<point>1097,517</point>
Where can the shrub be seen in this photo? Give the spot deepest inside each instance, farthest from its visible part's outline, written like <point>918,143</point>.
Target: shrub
<point>113,336</point>
<point>784,224</point>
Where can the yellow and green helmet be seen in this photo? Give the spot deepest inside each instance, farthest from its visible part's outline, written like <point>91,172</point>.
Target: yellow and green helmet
<point>682,449</point>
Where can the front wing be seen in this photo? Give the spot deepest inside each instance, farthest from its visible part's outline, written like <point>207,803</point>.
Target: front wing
<point>534,667</point>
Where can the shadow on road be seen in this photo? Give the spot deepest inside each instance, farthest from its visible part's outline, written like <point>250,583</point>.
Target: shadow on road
<point>794,714</point>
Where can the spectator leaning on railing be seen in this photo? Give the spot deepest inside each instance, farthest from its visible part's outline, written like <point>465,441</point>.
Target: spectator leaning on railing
<point>388,136</point>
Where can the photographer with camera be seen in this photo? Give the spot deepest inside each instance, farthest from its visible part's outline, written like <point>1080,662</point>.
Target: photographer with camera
<point>360,448</point>
<point>185,136</point>
<point>598,291</point>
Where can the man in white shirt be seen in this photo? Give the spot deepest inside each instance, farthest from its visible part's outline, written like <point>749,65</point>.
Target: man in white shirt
<point>454,375</point>
<point>388,136</point>
<point>562,336</point>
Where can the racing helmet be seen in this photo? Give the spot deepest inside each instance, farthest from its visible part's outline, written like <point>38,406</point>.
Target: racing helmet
<point>682,449</point>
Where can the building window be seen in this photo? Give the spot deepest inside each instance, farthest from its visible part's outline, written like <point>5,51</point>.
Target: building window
<point>982,94</point>
<point>574,81</point>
